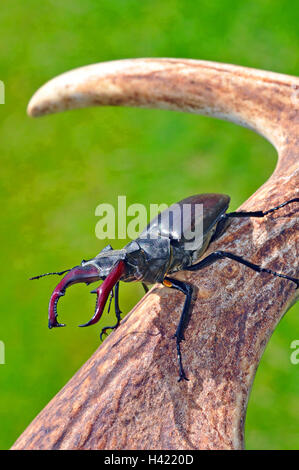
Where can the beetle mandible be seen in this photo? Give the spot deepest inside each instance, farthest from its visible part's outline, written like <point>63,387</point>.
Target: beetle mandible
<point>159,250</point>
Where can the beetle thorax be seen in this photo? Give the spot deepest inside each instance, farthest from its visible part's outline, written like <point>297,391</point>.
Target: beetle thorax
<point>105,261</point>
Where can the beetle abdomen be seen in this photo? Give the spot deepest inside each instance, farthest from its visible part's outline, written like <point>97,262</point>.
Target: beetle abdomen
<point>197,214</point>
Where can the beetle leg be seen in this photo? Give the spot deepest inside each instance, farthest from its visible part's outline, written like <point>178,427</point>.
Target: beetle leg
<point>104,290</point>
<point>117,309</point>
<point>179,334</point>
<point>146,289</point>
<point>259,213</point>
<point>117,313</point>
<point>210,259</point>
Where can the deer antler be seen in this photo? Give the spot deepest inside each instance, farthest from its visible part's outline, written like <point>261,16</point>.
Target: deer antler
<point>127,396</point>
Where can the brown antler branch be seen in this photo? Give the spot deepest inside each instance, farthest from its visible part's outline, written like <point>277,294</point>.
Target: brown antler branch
<point>127,395</point>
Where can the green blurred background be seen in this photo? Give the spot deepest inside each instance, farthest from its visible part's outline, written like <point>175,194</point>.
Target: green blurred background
<point>56,170</point>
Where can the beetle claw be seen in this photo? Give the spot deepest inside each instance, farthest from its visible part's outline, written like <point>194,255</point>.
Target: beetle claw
<point>55,325</point>
<point>183,377</point>
<point>85,324</point>
<point>103,292</point>
<point>86,274</point>
<point>103,332</point>
<point>92,320</point>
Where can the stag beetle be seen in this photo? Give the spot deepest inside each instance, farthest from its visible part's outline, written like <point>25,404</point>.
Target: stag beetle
<point>160,250</point>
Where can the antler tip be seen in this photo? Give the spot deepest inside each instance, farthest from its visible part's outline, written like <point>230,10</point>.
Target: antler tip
<point>33,110</point>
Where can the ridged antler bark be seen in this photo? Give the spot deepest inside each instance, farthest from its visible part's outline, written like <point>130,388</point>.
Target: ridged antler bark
<point>127,395</point>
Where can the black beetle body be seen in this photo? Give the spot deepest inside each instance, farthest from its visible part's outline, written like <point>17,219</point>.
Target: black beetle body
<point>161,249</point>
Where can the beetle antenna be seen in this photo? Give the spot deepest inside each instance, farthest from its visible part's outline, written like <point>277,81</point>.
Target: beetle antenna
<point>49,274</point>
